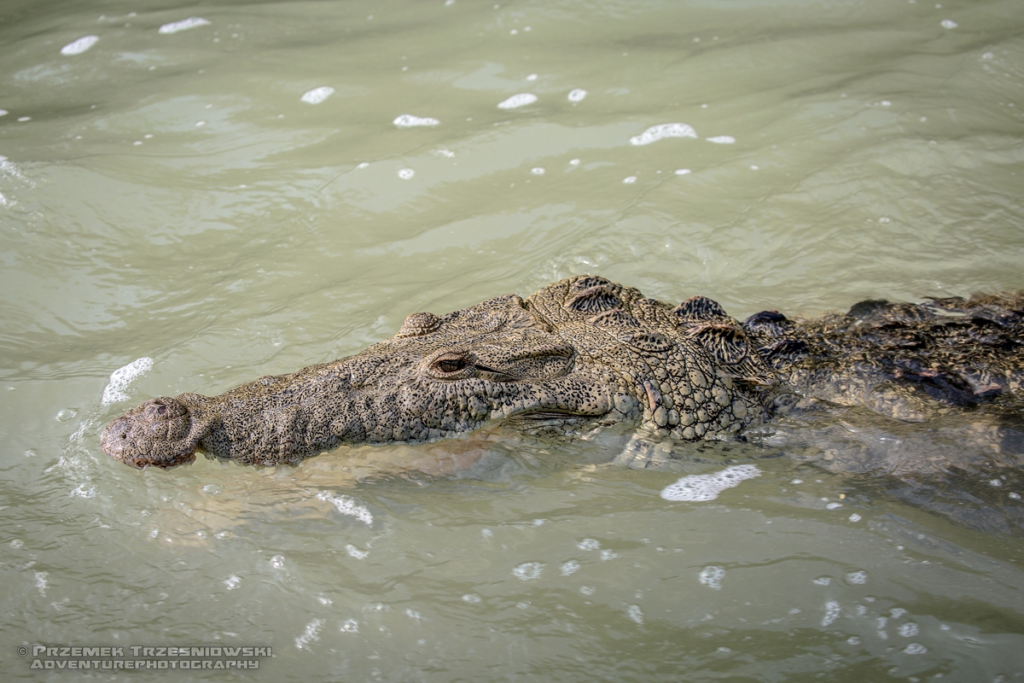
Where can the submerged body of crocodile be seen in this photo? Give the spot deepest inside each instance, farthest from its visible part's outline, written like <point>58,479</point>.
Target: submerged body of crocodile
<point>586,352</point>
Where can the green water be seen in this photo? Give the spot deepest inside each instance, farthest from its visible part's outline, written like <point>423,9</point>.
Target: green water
<point>171,196</point>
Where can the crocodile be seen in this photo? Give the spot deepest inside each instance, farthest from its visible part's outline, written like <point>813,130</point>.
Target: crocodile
<point>584,353</point>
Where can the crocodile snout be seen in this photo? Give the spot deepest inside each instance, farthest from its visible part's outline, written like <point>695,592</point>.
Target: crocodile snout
<point>153,434</point>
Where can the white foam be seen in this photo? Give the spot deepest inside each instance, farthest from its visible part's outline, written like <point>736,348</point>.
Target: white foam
<point>908,630</point>
<point>854,517</point>
<point>79,46</point>
<point>948,23</point>
<point>537,171</point>
<point>577,95</point>
<point>528,571</point>
<point>683,171</point>
<point>277,562</point>
<point>570,568</point>
<point>410,121</point>
<point>347,506</point>
<point>406,173</point>
<point>722,139</point>
<point>703,487</point>
<point>589,544</point>
<point>41,582</point>
<point>84,492</point>
<point>712,577</point>
<point>122,377</point>
<point>317,95</point>
<point>356,552</point>
<point>636,614</point>
<point>915,649</point>
<point>350,626</point>
<point>516,101</point>
<point>629,180</point>
<point>832,612</point>
<point>662,131</point>
<point>183,25</point>
<point>4,112</point>
<point>823,581</point>
<point>311,634</point>
<point>232,582</point>
<point>857,577</point>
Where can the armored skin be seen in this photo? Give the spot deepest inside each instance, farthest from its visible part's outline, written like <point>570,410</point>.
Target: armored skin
<point>586,352</point>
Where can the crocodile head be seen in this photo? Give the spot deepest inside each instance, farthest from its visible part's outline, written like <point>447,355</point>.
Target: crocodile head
<point>578,353</point>
<point>162,432</point>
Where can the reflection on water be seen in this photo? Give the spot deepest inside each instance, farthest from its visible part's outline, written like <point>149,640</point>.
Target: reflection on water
<point>192,197</point>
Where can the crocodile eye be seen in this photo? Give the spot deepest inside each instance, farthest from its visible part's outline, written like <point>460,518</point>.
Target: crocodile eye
<point>449,365</point>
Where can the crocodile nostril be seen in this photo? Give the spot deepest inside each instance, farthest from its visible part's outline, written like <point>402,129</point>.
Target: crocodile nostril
<point>124,435</point>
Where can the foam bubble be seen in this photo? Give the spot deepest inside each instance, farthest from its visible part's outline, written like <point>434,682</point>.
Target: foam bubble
<point>722,139</point>
<point>570,568</point>
<point>406,173</point>
<point>317,95</point>
<point>857,577</point>
<point>84,492</point>
<point>664,130</point>
<point>948,23</point>
<point>832,611</point>
<point>629,180</point>
<point>122,377</point>
<point>528,571</point>
<point>347,506</point>
<point>703,487</point>
<point>311,634</point>
<point>356,552</point>
<point>516,101</point>
<point>636,614</point>
<point>350,626</point>
<point>915,649</point>
<point>410,121</point>
<point>589,544</point>
<point>471,597</point>
<point>79,46</point>
<point>232,582</point>
<point>183,25</point>
<point>712,577</point>
<point>683,171</point>
<point>537,171</point>
<point>577,95</point>
<point>909,630</point>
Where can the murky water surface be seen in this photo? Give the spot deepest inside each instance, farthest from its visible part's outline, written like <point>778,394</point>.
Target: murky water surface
<point>213,192</point>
